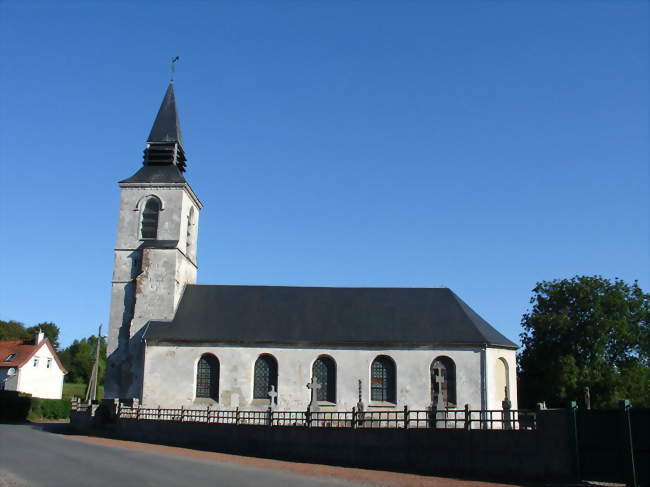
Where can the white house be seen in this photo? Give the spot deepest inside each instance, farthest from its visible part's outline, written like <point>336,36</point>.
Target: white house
<point>174,343</point>
<point>32,367</point>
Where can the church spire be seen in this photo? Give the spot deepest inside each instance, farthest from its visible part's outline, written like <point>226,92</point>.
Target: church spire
<point>165,142</point>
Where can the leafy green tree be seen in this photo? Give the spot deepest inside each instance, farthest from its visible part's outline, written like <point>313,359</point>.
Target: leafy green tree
<point>13,330</point>
<point>586,331</point>
<point>49,329</point>
<point>79,358</point>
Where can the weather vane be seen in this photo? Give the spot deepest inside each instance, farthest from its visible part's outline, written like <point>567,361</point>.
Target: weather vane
<point>174,59</point>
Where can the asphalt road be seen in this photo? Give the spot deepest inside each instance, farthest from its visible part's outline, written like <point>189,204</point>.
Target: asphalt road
<point>31,456</point>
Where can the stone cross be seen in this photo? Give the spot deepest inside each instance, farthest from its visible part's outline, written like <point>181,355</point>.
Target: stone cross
<point>273,396</point>
<point>440,380</point>
<point>313,386</point>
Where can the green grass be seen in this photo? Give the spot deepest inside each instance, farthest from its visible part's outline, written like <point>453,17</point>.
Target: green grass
<point>71,389</point>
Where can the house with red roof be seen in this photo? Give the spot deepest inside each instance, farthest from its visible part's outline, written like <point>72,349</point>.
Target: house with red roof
<point>32,367</point>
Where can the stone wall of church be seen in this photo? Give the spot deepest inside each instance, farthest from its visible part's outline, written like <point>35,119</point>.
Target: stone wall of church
<point>170,375</point>
<point>148,276</point>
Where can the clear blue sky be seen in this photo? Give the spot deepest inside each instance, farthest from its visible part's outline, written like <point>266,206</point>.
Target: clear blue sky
<point>483,146</point>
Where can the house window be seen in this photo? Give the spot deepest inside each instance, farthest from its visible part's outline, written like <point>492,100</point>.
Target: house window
<point>10,357</point>
<point>35,361</point>
<point>207,377</point>
<point>150,218</point>
<point>49,363</point>
<point>447,385</point>
<point>266,375</point>
<point>382,380</point>
<point>324,370</point>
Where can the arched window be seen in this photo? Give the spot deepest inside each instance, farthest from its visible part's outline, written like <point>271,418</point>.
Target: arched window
<point>324,370</point>
<point>207,377</point>
<point>149,227</point>
<point>189,237</point>
<point>266,375</point>
<point>502,382</point>
<point>445,367</point>
<point>382,380</point>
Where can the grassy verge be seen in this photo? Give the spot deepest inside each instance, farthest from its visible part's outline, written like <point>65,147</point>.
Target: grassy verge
<point>72,389</point>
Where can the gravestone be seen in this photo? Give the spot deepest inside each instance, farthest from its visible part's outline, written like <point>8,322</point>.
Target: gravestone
<point>273,397</point>
<point>313,386</point>
<point>441,413</point>
<point>360,406</point>
<point>507,414</point>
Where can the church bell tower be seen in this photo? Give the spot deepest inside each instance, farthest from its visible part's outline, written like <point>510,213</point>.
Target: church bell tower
<point>155,250</point>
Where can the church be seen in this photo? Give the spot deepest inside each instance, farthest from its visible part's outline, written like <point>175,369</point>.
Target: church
<point>176,343</point>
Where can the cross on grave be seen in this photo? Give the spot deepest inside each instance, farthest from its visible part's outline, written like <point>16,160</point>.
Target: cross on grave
<point>440,380</point>
<point>313,386</point>
<point>273,396</point>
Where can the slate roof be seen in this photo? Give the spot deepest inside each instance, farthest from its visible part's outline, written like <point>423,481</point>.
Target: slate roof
<point>24,351</point>
<point>167,128</point>
<point>324,316</point>
<point>156,174</point>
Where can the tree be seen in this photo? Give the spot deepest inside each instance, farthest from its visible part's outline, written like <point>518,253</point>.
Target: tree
<point>49,329</point>
<point>14,330</point>
<point>79,357</point>
<point>586,331</point>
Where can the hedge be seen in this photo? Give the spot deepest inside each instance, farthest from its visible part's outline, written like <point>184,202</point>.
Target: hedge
<point>19,407</point>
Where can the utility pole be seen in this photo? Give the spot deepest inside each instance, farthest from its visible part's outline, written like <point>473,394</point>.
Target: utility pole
<point>91,392</point>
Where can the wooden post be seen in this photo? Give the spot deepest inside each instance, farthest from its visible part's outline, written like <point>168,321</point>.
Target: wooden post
<point>468,418</point>
<point>631,480</point>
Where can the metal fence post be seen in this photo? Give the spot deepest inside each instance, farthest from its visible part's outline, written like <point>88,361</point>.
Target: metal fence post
<point>468,418</point>
<point>159,411</point>
<point>269,416</point>
<point>573,425</point>
<point>406,416</point>
<point>182,413</point>
<point>237,415</point>
<point>207,416</point>
<point>629,445</point>
<point>308,418</point>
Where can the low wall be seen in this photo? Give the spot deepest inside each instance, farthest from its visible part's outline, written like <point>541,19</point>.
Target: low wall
<point>544,453</point>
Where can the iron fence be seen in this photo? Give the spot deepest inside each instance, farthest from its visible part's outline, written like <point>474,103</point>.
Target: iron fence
<point>403,418</point>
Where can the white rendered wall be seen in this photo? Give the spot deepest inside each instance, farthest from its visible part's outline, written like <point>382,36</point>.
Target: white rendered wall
<point>170,375</point>
<point>495,379</point>
<point>41,381</point>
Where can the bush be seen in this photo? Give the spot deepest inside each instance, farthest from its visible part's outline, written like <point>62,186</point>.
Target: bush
<point>13,407</point>
<point>49,409</point>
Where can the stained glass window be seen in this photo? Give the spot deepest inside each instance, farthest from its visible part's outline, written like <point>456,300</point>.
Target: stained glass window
<point>207,377</point>
<point>150,218</point>
<point>382,380</point>
<point>446,367</point>
<point>324,370</point>
<point>266,375</point>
